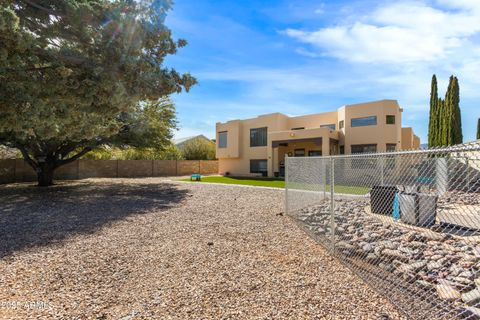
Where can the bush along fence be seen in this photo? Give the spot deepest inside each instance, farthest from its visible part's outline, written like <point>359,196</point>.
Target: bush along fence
<point>19,171</point>
<point>408,223</point>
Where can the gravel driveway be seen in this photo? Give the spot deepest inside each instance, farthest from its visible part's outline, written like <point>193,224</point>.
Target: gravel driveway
<point>149,248</point>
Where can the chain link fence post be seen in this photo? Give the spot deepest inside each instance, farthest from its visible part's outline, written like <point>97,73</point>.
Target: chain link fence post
<point>332,203</point>
<point>287,211</point>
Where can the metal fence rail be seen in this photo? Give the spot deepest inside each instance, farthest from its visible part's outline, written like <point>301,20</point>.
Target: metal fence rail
<point>408,223</point>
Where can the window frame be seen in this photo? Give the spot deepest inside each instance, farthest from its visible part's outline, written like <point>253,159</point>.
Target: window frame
<point>389,145</point>
<point>252,145</point>
<point>258,161</point>
<point>363,146</point>
<point>364,119</point>
<point>329,126</point>
<point>299,149</point>
<point>319,153</point>
<point>341,124</point>
<point>220,140</point>
<point>391,116</point>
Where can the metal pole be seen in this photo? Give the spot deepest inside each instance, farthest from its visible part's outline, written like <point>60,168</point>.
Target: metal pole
<point>324,170</point>
<point>382,171</point>
<point>286,184</point>
<point>332,203</point>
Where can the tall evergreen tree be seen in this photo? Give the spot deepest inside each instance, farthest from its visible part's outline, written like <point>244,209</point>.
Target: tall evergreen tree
<point>432,124</point>
<point>457,117</point>
<point>440,139</point>
<point>478,129</point>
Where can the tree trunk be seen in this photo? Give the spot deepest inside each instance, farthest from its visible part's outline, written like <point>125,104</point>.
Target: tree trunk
<point>45,174</point>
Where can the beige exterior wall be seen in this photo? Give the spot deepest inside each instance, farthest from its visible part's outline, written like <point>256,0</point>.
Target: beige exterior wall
<point>235,158</point>
<point>410,141</point>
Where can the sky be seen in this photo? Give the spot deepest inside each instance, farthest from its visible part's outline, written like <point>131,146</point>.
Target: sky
<point>301,57</point>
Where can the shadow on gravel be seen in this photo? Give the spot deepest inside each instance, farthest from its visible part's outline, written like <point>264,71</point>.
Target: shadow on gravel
<point>31,216</point>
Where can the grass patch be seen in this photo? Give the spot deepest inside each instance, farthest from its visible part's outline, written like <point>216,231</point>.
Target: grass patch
<point>246,181</point>
<point>278,183</point>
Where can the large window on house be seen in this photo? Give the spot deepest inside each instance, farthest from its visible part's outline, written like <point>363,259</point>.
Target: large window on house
<point>222,139</point>
<point>341,124</point>
<point>315,153</point>
<point>391,147</point>
<point>258,166</point>
<point>364,148</point>
<point>361,162</point>
<point>329,126</point>
<point>365,121</point>
<point>390,119</point>
<point>258,137</point>
<point>299,152</point>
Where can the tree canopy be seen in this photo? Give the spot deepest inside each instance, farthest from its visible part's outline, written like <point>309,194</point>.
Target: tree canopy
<point>198,149</point>
<point>76,74</point>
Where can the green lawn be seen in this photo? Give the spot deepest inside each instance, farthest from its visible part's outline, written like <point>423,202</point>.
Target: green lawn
<point>277,183</point>
<point>260,182</point>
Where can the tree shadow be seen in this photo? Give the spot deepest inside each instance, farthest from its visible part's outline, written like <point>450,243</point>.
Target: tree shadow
<point>31,216</point>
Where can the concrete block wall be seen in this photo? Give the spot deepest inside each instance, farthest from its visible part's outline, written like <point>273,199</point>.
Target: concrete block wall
<point>17,170</point>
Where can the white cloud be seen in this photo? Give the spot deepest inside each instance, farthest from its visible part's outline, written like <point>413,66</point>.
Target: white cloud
<point>403,32</point>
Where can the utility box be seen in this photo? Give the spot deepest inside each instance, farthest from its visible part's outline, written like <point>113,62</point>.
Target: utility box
<point>418,209</point>
<point>381,199</point>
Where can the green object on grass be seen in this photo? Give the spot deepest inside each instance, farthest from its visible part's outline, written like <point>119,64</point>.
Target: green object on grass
<point>196,177</point>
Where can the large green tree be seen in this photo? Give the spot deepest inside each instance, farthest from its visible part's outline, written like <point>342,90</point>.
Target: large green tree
<point>451,115</point>
<point>445,124</point>
<point>198,149</point>
<point>433,122</point>
<point>74,75</point>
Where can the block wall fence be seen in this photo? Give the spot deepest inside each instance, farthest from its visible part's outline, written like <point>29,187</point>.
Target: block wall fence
<point>17,170</point>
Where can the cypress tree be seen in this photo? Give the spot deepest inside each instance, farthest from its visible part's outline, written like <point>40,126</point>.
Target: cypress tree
<point>440,138</point>
<point>457,117</point>
<point>432,123</point>
<point>478,129</point>
<point>448,115</point>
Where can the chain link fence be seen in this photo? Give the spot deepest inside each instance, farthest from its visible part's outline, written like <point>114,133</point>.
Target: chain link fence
<point>408,223</point>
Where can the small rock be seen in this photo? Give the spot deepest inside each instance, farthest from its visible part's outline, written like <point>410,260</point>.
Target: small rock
<point>210,243</point>
<point>394,254</point>
<point>447,292</point>
<point>434,265</point>
<point>472,297</point>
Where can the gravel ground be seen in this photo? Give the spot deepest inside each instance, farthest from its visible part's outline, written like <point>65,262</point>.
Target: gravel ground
<point>148,248</point>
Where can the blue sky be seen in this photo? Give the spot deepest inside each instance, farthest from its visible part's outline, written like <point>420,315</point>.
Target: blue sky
<point>299,57</point>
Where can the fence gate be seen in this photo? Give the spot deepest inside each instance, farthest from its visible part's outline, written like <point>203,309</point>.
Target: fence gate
<point>408,223</point>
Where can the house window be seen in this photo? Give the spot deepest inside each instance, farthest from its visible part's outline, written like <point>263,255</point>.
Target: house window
<point>341,124</point>
<point>222,139</point>
<point>390,119</point>
<point>258,137</point>
<point>299,128</point>
<point>258,166</point>
<point>364,148</point>
<point>391,147</point>
<point>365,121</point>
<point>315,153</point>
<point>342,149</point>
<point>361,162</point>
<point>299,153</point>
<point>329,126</point>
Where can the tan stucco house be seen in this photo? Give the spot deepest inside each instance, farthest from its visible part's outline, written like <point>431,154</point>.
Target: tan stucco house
<point>258,146</point>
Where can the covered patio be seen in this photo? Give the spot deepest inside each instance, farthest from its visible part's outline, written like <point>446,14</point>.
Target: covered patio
<point>300,143</point>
